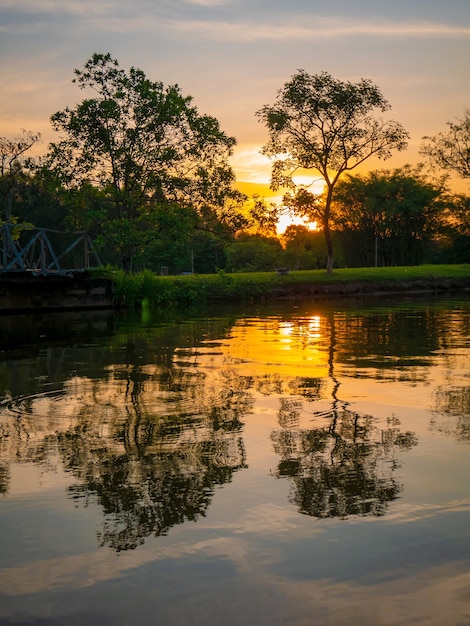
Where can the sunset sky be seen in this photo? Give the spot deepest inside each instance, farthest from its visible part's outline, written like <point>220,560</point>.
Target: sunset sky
<point>233,55</point>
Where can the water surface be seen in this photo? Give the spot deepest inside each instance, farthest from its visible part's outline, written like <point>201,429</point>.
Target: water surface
<point>273,465</point>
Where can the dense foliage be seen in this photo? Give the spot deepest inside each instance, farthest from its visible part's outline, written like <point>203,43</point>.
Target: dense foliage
<point>144,161</point>
<point>387,218</point>
<point>148,176</point>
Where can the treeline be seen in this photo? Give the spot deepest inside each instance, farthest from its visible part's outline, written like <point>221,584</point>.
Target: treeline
<point>148,176</point>
<point>384,218</point>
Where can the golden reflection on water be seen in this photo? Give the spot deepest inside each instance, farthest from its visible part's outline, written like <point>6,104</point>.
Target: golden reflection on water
<point>290,347</point>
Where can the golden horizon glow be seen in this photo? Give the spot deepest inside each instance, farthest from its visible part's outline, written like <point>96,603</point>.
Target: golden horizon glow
<point>253,178</point>
<point>287,220</point>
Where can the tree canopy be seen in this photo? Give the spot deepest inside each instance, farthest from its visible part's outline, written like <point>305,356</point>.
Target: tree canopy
<point>322,125</point>
<point>387,217</point>
<point>143,145</point>
<point>148,176</point>
<point>451,150</point>
<point>12,159</point>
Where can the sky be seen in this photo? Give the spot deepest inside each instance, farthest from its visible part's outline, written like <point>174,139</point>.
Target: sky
<point>233,56</point>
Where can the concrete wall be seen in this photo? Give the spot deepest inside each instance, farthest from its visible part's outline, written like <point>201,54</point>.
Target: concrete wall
<point>25,291</point>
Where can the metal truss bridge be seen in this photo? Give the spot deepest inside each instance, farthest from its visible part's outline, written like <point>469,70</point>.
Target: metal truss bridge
<point>44,251</point>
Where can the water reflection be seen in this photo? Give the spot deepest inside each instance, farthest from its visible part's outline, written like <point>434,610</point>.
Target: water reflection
<point>145,442</point>
<point>148,489</point>
<point>452,412</point>
<point>343,466</point>
<point>149,418</point>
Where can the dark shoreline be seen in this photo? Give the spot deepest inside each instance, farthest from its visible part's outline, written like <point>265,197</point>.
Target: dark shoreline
<point>21,292</point>
<point>375,288</point>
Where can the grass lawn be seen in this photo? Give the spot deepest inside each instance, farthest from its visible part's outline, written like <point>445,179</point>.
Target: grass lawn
<point>133,289</point>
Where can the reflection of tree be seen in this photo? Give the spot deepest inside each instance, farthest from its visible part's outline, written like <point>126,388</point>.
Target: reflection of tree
<point>22,440</point>
<point>289,411</point>
<point>154,470</point>
<point>345,467</point>
<point>4,478</point>
<point>393,343</point>
<point>452,402</point>
<point>149,421</point>
<point>310,388</point>
<point>150,454</point>
<point>146,434</point>
<point>148,491</point>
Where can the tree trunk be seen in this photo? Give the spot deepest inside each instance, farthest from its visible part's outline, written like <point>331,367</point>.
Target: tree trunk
<point>329,248</point>
<point>326,229</point>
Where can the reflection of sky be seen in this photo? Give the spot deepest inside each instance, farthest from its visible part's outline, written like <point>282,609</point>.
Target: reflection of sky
<point>285,570</point>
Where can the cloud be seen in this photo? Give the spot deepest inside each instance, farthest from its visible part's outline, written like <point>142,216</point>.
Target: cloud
<point>312,27</point>
<point>251,165</point>
<point>68,7</point>
<point>146,17</point>
<point>208,3</point>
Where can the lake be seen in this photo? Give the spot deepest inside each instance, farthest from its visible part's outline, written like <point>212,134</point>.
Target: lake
<point>282,464</point>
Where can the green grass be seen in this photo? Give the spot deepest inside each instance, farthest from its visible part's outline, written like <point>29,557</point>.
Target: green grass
<point>357,274</point>
<point>149,289</point>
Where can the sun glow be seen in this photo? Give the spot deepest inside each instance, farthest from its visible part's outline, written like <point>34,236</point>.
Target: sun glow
<point>287,220</point>
<point>313,184</point>
<point>253,172</point>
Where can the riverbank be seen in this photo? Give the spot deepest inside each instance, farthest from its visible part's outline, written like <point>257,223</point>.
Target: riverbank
<point>148,289</point>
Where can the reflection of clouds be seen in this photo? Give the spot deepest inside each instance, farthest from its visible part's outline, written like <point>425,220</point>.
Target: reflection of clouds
<point>406,513</point>
<point>91,568</point>
<point>267,518</point>
<point>436,596</point>
<point>69,571</point>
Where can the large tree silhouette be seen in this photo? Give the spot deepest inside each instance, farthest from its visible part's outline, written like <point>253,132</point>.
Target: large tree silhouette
<point>325,127</point>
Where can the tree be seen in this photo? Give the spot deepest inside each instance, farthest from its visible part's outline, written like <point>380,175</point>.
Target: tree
<point>451,150</point>
<point>254,253</point>
<point>12,159</point>
<point>453,245</point>
<point>388,217</point>
<point>303,248</point>
<point>264,217</point>
<point>143,145</point>
<point>325,126</point>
